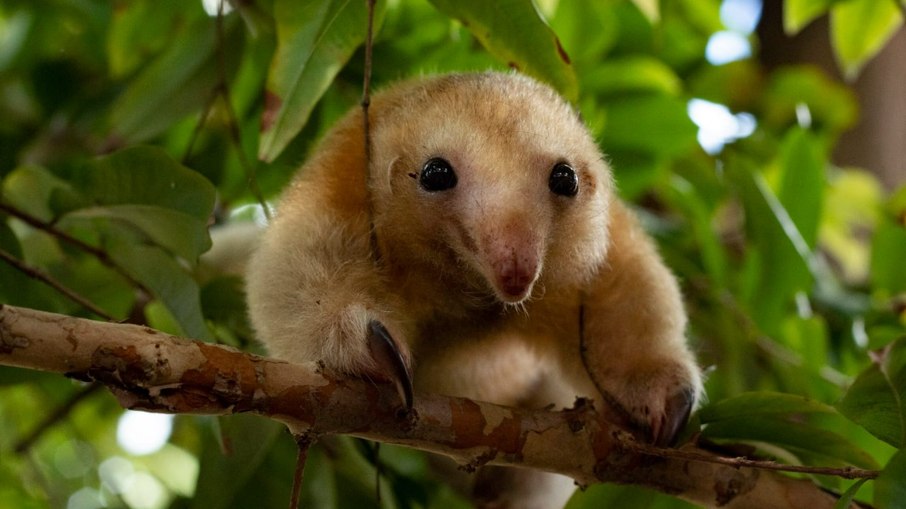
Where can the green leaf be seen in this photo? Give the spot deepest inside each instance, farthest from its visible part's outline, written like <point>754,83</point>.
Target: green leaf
<point>876,399</point>
<point>859,29</point>
<point>799,13</point>
<point>142,28</point>
<point>802,181</point>
<point>166,279</point>
<point>315,39</point>
<point>516,33</point>
<point>30,189</point>
<point>631,74</point>
<point>144,188</point>
<point>888,250</point>
<point>890,486</point>
<point>146,176</point>
<point>751,404</point>
<point>179,233</point>
<point>846,499</point>
<point>686,198</point>
<point>228,463</point>
<point>176,83</point>
<point>832,106</point>
<point>653,123</point>
<point>792,433</point>
<point>778,254</point>
<point>588,29</point>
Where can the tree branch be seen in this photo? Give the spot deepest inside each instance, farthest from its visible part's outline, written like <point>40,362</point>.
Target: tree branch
<point>150,370</point>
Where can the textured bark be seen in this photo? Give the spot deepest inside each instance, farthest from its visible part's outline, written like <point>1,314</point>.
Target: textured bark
<point>150,370</point>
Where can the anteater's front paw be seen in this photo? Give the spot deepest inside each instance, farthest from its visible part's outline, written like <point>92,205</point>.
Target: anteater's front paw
<point>655,402</point>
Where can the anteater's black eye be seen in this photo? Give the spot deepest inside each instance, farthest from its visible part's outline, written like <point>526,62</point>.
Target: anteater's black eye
<point>563,180</point>
<point>437,175</point>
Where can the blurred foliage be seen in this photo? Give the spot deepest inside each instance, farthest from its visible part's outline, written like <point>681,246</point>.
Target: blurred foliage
<point>129,126</point>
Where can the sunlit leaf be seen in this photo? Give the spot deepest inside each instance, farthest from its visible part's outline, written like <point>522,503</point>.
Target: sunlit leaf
<point>315,39</point>
<point>652,123</point>
<point>588,30</point>
<point>859,29</point>
<point>631,75</point>
<point>799,13</point>
<point>516,33</point>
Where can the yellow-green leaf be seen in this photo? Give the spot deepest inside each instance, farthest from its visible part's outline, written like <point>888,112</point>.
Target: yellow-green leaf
<point>516,33</point>
<point>859,29</point>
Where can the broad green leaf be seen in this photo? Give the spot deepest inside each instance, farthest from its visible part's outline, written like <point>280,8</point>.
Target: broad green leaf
<point>165,278</point>
<point>876,398</point>
<point>653,123</point>
<point>890,486</point>
<point>802,182</point>
<point>315,39</point>
<point>799,13</point>
<point>630,75</point>
<point>751,404</point>
<point>790,433</point>
<point>176,83</point>
<point>146,176</point>
<point>859,29</point>
<point>516,33</point>
<point>181,234</point>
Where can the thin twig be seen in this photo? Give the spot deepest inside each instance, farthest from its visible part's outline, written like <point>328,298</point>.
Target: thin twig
<point>202,120</point>
<point>25,443</point>
<point>232,120</point>
<point>303,442</point>
<point>98,253</point>
<point>366,127</point>
<point>740,462</point>
<point>36,273</point>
